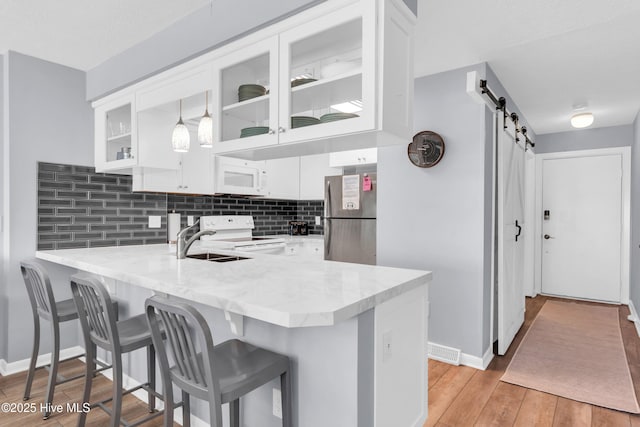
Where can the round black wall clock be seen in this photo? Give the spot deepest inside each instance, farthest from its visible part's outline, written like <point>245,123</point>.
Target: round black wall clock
<point>426,149</point>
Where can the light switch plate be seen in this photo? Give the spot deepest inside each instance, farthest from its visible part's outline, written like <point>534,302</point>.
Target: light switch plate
<point>190,220</point>
<point>317,220</point>
<point>155,221</point>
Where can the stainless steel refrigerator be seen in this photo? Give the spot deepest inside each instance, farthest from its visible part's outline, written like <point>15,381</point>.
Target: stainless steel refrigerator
<point>350,218</point>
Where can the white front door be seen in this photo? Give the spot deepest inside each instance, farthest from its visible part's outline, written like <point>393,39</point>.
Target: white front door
<point>510,223</point>
<point>582,221</point>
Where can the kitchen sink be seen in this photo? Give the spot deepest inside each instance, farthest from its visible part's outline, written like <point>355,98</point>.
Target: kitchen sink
<point>216,257</point>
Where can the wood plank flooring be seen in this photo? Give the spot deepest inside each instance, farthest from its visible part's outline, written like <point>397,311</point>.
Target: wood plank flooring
<point>462,396</point>
<point>12,389</point>
<point>458,395</point>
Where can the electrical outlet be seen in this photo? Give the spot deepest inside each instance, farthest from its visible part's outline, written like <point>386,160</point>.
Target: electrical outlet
<point>386,346</point>
<point>190,220</point>
<point>317,220</point>
<point>155,221</point>
<point>277,403</point>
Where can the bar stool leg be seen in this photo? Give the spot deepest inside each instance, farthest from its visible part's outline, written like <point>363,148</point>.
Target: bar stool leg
<point>34,356</point>
<point>285,389</point>
<point>53,371</point>
<point>234,413</point>
<point>90,355</point>
<point>186,410</point>
<point>116,410</point>
<point>151,376</point>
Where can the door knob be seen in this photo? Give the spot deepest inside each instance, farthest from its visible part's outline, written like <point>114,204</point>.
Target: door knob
<point>547,237</point>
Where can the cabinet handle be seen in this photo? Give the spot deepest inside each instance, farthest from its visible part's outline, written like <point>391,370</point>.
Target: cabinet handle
<point>281,130</point>
<point>271,131</point>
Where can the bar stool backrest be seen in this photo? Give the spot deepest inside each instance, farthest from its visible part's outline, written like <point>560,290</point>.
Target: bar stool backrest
<point>96,312</point>
<point>185,330</point>
<point>39,290</point>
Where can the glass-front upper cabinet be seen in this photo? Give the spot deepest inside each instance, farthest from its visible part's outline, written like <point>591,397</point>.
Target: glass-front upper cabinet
<point>115,134</point>
<point>327,70</point>
<point>247,105</point>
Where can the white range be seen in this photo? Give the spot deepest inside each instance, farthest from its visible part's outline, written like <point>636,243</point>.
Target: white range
<point>236,232</point>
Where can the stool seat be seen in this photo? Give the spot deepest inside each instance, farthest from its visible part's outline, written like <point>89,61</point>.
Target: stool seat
<point>134,333</point>
<point>66,310</point>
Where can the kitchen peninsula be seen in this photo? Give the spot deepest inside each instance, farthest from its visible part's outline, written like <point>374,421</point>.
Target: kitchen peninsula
<point>357,334</point>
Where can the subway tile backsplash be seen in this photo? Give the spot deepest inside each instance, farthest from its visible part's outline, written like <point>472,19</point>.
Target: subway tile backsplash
<point>79,208</point>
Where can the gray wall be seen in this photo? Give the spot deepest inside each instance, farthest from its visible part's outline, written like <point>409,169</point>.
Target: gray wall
<point>197,33</point>
<point>585,139</point>
<point>49,120</point>
<point>635,215</point>
<point>436,219</point>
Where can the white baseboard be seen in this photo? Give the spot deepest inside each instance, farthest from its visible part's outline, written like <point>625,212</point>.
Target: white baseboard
<point>43,359</point>
<point>477,362</point>
<point>466,359</point>
<point>634,316</point>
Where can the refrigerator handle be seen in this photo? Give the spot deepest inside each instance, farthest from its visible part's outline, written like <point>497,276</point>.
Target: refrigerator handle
<point>327,221</point>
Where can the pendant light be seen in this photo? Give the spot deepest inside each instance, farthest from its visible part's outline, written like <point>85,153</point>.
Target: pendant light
<point>205,128</point>
<point>180,138</point>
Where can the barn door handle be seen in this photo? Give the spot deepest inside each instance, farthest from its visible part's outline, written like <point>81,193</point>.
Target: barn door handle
<point>519,230</point>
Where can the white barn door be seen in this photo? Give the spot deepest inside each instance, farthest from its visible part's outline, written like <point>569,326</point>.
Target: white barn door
<point>510,235</point>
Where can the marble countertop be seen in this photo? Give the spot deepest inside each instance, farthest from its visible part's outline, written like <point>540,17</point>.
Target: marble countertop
<point>270,288</point>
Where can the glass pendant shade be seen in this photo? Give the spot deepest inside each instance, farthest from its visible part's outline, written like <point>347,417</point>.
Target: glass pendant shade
<point>180,139</point>
<point>205,131</point>
<point>205,128</point>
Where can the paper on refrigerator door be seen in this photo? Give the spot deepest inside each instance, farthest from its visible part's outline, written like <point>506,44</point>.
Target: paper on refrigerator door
<point>351,192</point>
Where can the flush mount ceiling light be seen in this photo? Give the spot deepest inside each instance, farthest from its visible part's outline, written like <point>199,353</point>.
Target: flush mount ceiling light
<point>180,139</point>
<point>205,128</point>
<point>581,120</point>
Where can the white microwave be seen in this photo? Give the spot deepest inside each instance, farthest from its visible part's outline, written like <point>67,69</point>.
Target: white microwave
<point>238,176</point>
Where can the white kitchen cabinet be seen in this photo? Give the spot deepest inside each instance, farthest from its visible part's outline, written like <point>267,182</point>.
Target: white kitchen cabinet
<point>115,134</point>
<point>141,122</point>
<point>353,157</point>
<point>191,174</point>
<point>313,169</point>
<point>283,180</point>
<point>354,55</point>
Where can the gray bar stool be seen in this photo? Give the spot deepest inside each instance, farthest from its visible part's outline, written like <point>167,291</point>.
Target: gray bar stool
<point>44,305</point>
<point>218,374</point>
<point>101,328</point>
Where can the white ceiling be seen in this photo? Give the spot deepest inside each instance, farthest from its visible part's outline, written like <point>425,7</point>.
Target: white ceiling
<point>549,54</point>
<point>84,33</point>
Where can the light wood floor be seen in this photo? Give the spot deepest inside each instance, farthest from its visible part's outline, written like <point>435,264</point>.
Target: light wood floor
<point>463,396</point>
<point>458,395</point>
<point>12,390</point>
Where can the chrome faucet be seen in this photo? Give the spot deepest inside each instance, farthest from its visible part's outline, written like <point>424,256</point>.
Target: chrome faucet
<point>183,245</point>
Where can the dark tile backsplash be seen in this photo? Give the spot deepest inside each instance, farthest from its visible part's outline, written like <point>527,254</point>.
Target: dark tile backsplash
<point>79,208</point>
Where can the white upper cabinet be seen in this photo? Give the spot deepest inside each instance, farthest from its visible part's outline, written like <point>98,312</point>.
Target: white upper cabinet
<point>116,143</point>
<point>320,86</point>
<point>313,169</point>
<point>283,178</point>
<point>353,157</point>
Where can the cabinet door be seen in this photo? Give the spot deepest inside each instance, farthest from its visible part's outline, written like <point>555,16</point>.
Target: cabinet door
<point>313,169</point>
<point>327,75</point>
<point>353,157</point>
<point>246,106</point>
<point>115,134</point>
<point>196,171</point>
<point>283,178</point>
